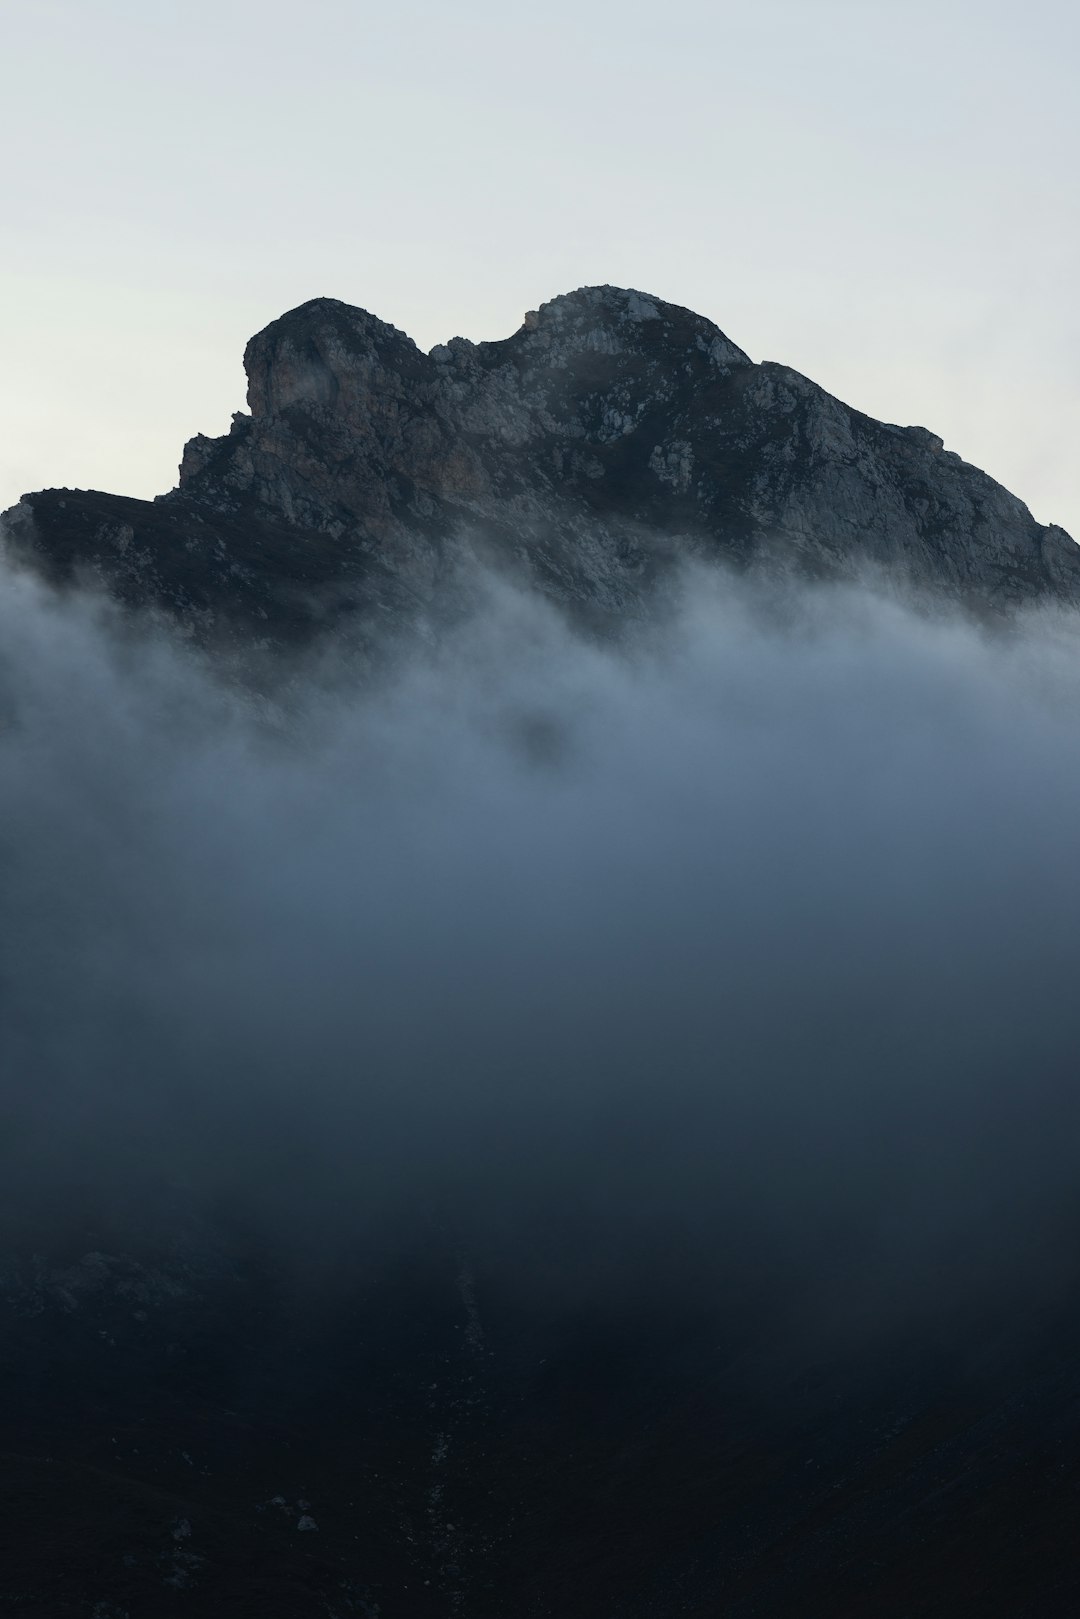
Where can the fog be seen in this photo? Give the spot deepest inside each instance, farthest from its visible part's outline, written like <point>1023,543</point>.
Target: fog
<point>736,958</point>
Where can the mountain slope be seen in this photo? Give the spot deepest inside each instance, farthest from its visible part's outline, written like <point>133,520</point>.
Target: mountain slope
<point>610,435</point>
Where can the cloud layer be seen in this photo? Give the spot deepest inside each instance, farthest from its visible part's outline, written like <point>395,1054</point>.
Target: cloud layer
<point>740,955</point>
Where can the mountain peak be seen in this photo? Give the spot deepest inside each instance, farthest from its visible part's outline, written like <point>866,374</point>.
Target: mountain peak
<point>610,436</point>
<point>607,318</point>
<point>619,304</point>
<point>306,355</point>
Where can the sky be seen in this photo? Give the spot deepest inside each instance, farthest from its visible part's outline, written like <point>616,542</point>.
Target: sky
<point>881,195</point>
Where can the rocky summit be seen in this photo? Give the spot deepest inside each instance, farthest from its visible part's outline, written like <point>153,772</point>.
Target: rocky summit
<point>610,436</point>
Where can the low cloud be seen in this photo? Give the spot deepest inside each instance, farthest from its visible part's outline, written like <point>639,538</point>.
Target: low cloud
<point>739,954</point>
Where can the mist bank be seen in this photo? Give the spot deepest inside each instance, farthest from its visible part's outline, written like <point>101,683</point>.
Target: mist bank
<point>736,956</point>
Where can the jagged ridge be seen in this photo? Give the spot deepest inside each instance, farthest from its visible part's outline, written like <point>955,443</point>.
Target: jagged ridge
<point>610,434</point>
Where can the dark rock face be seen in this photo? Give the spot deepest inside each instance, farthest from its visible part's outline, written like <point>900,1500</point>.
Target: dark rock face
<point>610,435</point>
<point>209,1439</point>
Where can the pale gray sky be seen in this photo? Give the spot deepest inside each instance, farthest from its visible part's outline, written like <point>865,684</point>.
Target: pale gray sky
<point>882,195</point>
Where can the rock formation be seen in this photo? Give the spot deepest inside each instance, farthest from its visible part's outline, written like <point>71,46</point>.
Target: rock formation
<point>610,435</point>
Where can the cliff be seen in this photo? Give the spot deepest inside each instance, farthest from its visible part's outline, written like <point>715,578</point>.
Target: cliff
<point>610,436</point>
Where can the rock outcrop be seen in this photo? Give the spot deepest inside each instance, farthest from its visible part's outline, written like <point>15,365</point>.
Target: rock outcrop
<point>610,435</point>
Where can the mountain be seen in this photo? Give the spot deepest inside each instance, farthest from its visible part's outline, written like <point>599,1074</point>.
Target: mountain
<point>202,1441</point>
<point>814,1357</point>
<point>611,435</point>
